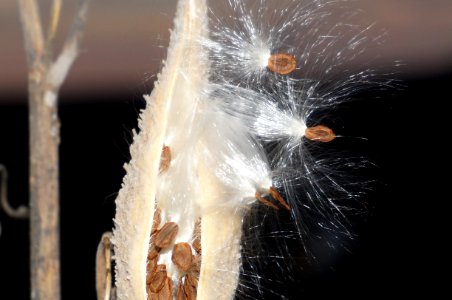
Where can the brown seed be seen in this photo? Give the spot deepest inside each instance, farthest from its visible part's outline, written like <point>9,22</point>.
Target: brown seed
<point>182,256</point>
<point>197,237</point>
<point>165,159</point>
<point>319,133</point>
<point>157,220</point>
<point>166,293</point>
<point>153,252</point>
<point>282,63</point>
<point>165,236</point>
<point>151,266</point>
<point>180,295</point>
<point>196,267</point>
<point>190,291</point>
<point>156,280</point>
<point>191,280</point>
<point>152,296</point>
<point>197,246</point>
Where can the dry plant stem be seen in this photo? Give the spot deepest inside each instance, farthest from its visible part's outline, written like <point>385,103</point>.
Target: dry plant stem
<point>44,80</point>
<point>54,19</point>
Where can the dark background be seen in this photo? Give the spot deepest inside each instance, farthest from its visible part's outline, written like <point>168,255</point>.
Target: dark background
<point>389,256</point>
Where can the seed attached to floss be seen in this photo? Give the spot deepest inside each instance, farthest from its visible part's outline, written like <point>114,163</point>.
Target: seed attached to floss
<point>165,159</point>
<point>319,133</point>
<point>165,236</point>
<point>282,63</point>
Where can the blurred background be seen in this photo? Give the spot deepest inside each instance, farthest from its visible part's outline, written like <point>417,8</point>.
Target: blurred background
<point>123,49</point>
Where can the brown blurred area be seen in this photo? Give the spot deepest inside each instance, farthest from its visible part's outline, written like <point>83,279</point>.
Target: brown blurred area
<point>123,46</point>
<point>125,41</point>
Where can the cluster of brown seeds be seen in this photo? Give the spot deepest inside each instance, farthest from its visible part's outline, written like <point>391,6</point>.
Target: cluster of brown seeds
<point>159,284</point>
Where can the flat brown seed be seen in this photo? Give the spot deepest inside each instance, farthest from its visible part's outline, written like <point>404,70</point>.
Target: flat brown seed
<point>182,256</point>
<point>158,268</point>
<point>157,220</point>
<point>156,280</point>
<point>319,133</point>
<point>190,291</point>
<point>153,252</point>
<point>166,293</point>
<point>282,63</point>
<point>165,159</point>
<point>151,266</point>
<point>196,244</point>
<point>165,236</point>
<point>152,296</point>
<point>196,266</point>
<point>180,295</point>
<point>191,280</point>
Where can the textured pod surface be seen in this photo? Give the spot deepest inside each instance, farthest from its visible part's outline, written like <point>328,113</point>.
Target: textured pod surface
<point>135,203</point>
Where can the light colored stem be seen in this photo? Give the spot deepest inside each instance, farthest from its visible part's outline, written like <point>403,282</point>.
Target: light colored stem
<point>71,49</point>
<point>44,81</point>
<point>44,202</point>
<point>32,30</point>
<point>54,19</point>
